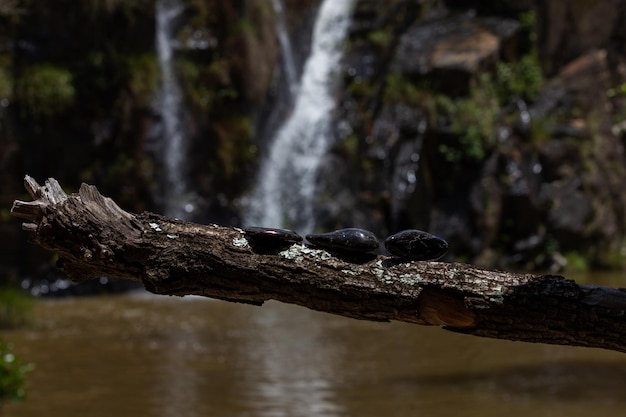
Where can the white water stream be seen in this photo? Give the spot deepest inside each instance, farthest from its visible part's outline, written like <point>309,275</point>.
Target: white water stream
<point>285,189</point>
<point>288,59</point>
<point>173,139</point>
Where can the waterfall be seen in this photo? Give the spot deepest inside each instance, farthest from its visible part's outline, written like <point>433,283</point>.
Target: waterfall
<point>285,191</point>
<point>289,64</point>
<point>174,146</point>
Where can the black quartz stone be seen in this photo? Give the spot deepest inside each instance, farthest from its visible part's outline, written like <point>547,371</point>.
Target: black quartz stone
<point>269,239</point>
<point>416,245</point>
<point>345,240</point>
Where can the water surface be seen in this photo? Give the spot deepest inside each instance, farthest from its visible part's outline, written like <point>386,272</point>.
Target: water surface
<point>143,355</point>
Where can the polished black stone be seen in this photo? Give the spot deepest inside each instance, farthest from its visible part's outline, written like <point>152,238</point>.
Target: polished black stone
<point>345,240</point>
<point>416,245</point>
<point>269,239</point>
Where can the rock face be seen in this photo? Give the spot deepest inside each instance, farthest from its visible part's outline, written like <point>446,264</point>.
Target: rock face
<point>458,132</point>
<point>568,30</point>
<point>453,48</point>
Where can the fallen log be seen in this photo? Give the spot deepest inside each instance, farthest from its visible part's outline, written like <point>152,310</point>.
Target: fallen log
<point>94,237</point>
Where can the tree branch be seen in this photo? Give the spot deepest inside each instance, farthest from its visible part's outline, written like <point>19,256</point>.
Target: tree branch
<point>94,237</point>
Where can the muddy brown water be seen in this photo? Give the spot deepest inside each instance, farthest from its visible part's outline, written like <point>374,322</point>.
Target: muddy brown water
<point>143,355</point>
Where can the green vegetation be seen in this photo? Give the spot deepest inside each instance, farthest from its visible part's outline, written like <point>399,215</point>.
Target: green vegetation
<point>12,371</point>
<point>576,262</point>
<point>381,38</point>
<point>521,79</point>
<point>234,151</point>
<point>245,26</point>
<point>15,311</point>
<point>360,90</point>
<point>613,258</point>
<point>528,20</point>
<point>143,75</point>
<point>473,119</point>
<point>205,86</point>
<point>617,91</point>
<point>15,307</point>
<point>45,90</point>
<point>400,89</point>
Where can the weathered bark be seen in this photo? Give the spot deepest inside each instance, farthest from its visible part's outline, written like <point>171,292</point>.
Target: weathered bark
<point>94,238</point>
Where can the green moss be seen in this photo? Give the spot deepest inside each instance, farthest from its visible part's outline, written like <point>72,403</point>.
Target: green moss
<point>143,75</point>
<point>190,75</point>
<point>350,146</point>
<point>45,90</point>
<point>15,308</point>
<point>234,150</point>
<point>380,38</point>
<point>245,26</point>
<point>400,89</point>
<point>206,86</point>
<point>360,89</point>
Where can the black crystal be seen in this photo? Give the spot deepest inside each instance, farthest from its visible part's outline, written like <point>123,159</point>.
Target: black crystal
<point>269,239</point>
<point>347,240</point>
<point>416,245</point>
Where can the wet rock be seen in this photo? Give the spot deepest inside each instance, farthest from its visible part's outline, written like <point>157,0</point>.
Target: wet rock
<point>581,84</point>
<point>409,195</point>
<point>486,202</point>
<point>570,210</point>
<point>557,157</point>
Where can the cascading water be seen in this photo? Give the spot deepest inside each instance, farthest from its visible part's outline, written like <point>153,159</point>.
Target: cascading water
<point>170,108</point>
<point>284,194</point>
<point>289,64</point>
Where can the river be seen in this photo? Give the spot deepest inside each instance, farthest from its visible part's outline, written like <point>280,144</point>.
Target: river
<point>153,356</point>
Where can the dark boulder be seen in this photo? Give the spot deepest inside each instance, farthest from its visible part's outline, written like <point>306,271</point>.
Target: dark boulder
<point>453,48</point>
